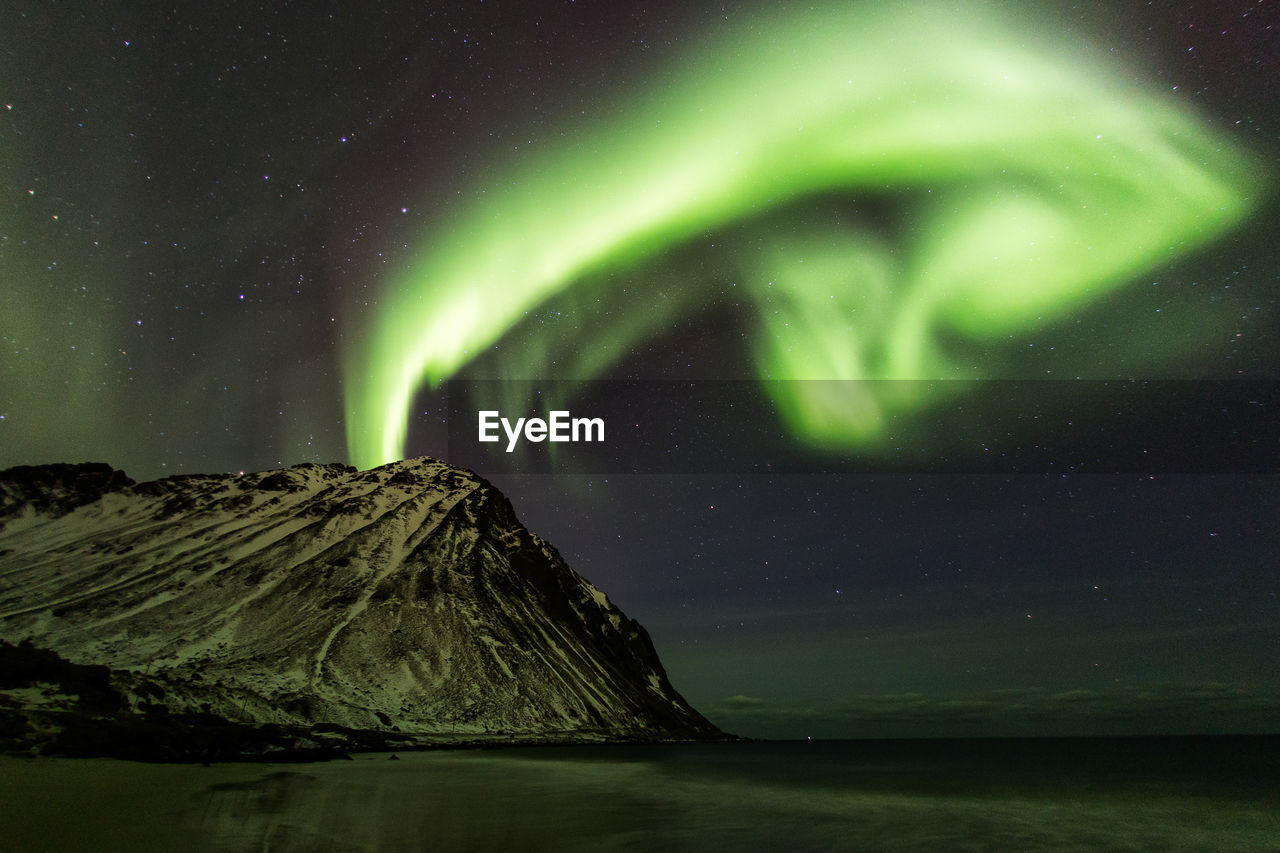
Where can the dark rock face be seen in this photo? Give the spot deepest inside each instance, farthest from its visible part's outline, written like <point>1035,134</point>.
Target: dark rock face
<point>406,600</point>
<point>55,490</point>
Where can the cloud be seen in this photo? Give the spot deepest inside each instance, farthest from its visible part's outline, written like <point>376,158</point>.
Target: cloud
<point>1190,708</point>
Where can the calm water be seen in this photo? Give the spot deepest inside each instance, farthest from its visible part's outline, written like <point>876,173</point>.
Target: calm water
<point>1178,794</point>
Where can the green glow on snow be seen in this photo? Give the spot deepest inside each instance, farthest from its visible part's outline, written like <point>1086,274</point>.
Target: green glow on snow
<point>1034,186</point>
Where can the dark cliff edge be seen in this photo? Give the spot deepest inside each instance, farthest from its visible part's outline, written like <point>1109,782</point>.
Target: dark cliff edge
<point>303,614</point>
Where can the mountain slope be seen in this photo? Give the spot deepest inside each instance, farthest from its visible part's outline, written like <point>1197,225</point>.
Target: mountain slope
<point>407,598</point>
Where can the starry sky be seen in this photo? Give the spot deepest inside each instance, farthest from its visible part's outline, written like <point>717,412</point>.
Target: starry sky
<point>240,236</point>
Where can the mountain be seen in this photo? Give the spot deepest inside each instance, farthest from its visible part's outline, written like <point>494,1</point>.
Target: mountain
<point>405,601</point>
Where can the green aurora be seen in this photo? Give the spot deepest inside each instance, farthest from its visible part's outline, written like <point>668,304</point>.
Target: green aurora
<point>1034,186</point>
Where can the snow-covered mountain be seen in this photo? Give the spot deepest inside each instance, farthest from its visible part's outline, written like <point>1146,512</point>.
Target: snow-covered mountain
<point>407,598</point>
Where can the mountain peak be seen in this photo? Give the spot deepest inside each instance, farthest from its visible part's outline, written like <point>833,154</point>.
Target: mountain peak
<point>406,598</point>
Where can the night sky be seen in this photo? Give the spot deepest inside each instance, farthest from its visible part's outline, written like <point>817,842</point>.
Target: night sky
<point>236,237</point>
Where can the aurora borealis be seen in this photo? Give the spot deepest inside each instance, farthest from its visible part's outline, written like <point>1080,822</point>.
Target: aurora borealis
<point>236,238</point>
<point>1036,186</point>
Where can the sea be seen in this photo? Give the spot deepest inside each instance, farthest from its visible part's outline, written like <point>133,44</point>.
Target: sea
<point>1139,794</point>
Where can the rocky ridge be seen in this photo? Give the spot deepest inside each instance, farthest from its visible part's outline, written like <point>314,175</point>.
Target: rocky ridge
<point>405,601</point>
